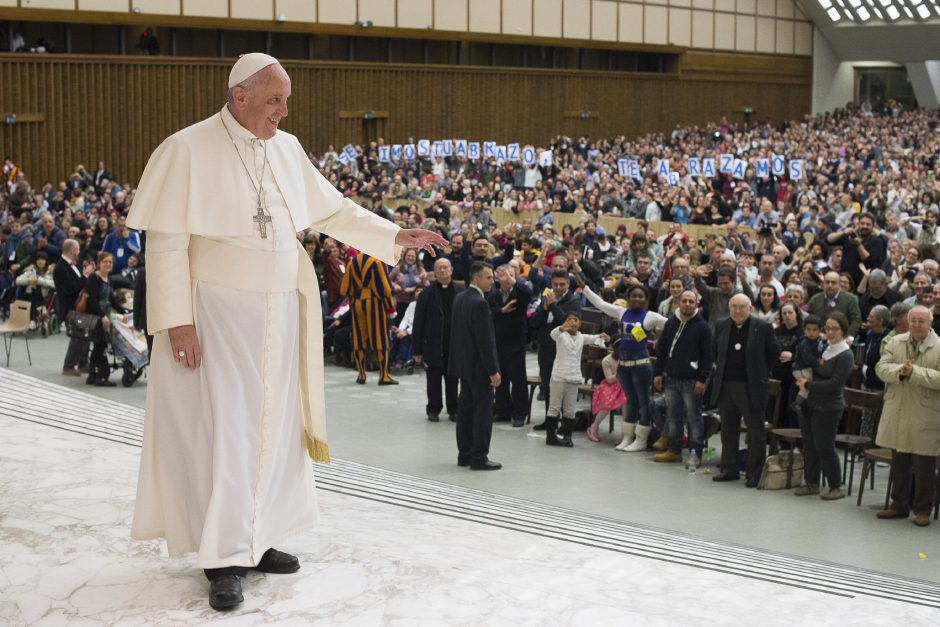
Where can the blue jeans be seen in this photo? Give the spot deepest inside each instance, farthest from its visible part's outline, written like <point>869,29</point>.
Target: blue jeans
<point>637,383</point>
<point>684,405</point>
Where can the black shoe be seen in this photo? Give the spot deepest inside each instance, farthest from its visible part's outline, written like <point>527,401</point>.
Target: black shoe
<point>225,592</point>
<point>502,418</point>
<point>389,381</point>
<point>539,427</point>
<point>361,380</point>
<point>434,418</point>
<point>752,483</point>
<point>541,396</point>
<point>726,476</point>
<point>518,421</point>
<point>565,431</point>
<point>452,417</point>
<point>487,465</point>
<point>551,433</point>
<point>278,563</point>
<point>104,383</point>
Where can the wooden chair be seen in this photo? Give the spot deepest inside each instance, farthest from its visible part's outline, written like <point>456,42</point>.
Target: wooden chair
<point>856,402</point>
<point>590,328</point>
<point>18,322</point>
<point>533,381</point>
<point>870,457</point>
<point>590,314</point>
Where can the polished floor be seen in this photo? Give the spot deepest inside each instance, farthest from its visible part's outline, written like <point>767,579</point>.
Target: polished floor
<point>581,536</point>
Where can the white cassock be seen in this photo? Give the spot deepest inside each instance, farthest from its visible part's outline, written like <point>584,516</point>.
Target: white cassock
<point>224,468</point>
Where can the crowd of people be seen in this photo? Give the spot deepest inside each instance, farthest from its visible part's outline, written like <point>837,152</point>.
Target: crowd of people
<point>799,281</point>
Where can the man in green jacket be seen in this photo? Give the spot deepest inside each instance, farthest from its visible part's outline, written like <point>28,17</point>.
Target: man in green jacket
<point>833,299</point>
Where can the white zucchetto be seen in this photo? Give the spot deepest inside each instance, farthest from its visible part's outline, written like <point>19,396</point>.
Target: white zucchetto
<point>247,65</point>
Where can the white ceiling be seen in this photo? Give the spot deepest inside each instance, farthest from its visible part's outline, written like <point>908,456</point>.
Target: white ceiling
<point>900,40</point>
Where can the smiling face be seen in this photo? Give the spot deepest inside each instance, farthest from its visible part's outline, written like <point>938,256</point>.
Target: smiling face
<point>261,107</point>
<point>637,299</point>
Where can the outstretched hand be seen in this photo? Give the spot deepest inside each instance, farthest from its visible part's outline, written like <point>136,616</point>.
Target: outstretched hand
<point>420,238</point>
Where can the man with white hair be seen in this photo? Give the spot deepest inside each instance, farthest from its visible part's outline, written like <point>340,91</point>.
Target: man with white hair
<point>910,368</point>
<point>235,398</point>
<point>745,349</point>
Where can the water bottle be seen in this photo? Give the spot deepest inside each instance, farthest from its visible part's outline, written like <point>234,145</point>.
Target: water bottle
<point>692,458</point>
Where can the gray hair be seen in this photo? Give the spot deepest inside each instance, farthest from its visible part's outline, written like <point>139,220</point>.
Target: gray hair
<point>877,275</point>
<point>899,309</point>
<point>70,246</point>
<point>924,309</point>
<point>795,287</point>
<point>246,85</point>
<point>882,313</point>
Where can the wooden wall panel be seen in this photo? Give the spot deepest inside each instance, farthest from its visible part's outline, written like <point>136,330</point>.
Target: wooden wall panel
<point>118,109</point>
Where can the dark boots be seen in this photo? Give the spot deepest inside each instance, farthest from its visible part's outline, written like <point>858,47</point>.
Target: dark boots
<point>552,431</point>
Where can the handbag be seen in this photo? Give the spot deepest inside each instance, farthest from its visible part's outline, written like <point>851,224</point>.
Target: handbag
<point>81,303</point>
<point>774,474</point>
<point>84,326</point>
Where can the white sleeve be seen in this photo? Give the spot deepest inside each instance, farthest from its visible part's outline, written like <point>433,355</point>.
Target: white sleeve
<point>169,287</point>
<point>407,322</point>
<point>613,311</point>
<point>653,321</point>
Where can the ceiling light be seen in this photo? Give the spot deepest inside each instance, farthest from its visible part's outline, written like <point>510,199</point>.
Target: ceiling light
<point>916,2</point>
<point>863,14</point>
<point>885,3</point>
<point>834,14</point>
<point>893,12</point>
<point>855,3</point>
<point>924,11</point>
<point>909,13</point>
<point>878,13</point>
<point>825,3</point>
<point>849,15</point>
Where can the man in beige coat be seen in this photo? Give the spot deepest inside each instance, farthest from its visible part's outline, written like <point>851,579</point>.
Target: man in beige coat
<point>910,420</point>
<point>235,396</point>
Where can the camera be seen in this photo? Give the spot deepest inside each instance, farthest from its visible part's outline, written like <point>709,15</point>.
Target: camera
<point>910,274</point>
<point>767,230</point>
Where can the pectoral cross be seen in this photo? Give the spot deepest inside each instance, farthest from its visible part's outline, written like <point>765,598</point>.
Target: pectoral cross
<point>262,219</point>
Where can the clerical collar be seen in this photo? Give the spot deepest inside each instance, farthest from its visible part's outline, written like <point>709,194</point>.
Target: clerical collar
<point>235,128</point>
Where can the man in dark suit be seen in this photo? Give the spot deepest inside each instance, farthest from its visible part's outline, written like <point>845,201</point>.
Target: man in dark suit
<point>473,360</point>
<point>745,350</point>
<point>430,337</point>
<point>556,304</point>
<point>69,280</point>
<point>509,303</point>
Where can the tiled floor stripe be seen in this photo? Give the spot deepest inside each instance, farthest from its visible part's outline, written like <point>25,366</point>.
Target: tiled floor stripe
<point>26,398</point>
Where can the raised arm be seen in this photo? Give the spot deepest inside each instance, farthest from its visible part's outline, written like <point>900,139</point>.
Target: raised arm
<point>611,310</point>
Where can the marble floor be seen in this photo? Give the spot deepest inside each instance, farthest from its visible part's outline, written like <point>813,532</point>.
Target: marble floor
<point>390,549</point>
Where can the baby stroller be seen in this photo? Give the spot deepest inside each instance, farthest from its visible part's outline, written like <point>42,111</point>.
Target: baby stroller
<point>130,346</point>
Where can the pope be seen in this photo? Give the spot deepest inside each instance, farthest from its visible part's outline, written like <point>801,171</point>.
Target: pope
<point>235,400</point>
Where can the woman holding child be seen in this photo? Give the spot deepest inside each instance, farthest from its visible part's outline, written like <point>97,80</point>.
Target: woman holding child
<point>822,409</point>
